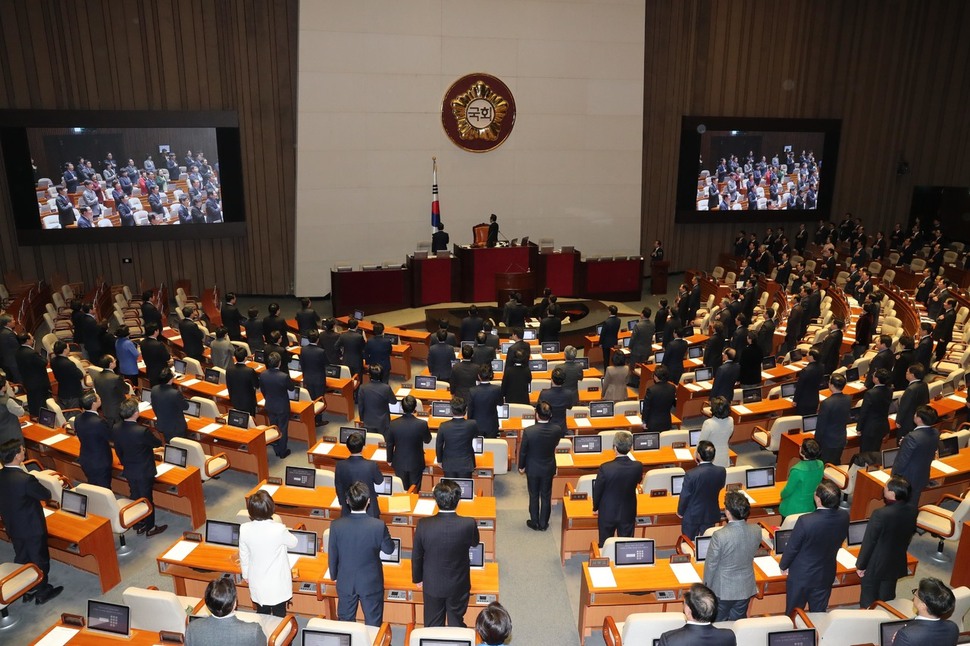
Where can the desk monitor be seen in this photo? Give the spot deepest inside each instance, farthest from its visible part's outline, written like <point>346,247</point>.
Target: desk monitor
<point>433,641</point>
<point>222,533</point>
<point>238,418</point>
<point>538,365</point>
<point>769,363</point>
<point>347,431</point>
<point>676,484</point>
<point>695,352</point>
<point>455,362</point>
<point>505,347</point>
<point>476,556</point>
<point>394,558</point>
<point>795,355</point>
<point>701,545</point>
<point>326,638</point>
<point>212,375</point>
<point>638,552</point>
<point>47,417</point>
<point>179,366</point>
<point>478,444</point>
<point>788,390</point>
<point>359,315</point>
<point>582,360</point>
<point>305,477</point>
<point>293,394</point>
<point>259,356</point>
<point>750,395</point>
<point>888,630</point>
<point>193,408</point>
<point>74,502</point>
<point>467,487</point>
<point>948,388</point>
<point>111,618</point>
<point>333,372</point>
<point>761,477</point>
<point>649,441</point>
<point>529,334</point>
<point>626,341</point>
<point>306,543</point>
<point>587,443</point>
<point>889,458</point>
<point>658,357</point>
<point>385,487</point>
<point>440,409</point>
<point>704,374</point>
<point>949,446</point>
<point>599,329</point>
<point>852,374</point>
<point>632,323</point>
<point>550,347</point>
<point>470,344</point>
<point>602,408</point>
<point>498,365</point>
<point>395,339</point>
<point>782,537</point>
<point>294,365</point>
<point>809,422</point>
<point>799,637</point>
<point>146,395</point>
<point>857,531</point>
<point>693,436</point>
<point>688,331</point>
<point>502,410</point>
<point>426,383</point>
<point>176,455</point>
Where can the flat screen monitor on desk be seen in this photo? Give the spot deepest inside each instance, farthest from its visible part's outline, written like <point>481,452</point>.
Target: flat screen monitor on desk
<point>111,618</point>
<point>751,395</point>
<point>333,372</point>
<point>222,533</point>
<point>467,487</point>
<point>426,383</point>
<point>658,357</point>
<point>259,356</point>
<point>74,502</point>
<point>626,341</point>
<point>359,315</point>
<point>498,365</point>
<point>695,352</point>
<point>238,418</point>
<point>889,458</point>
<point>809,422</point>
<point>476,556</point>
<point>701,545</point>
<point>470,344</point>
<point>179,366</point>
<point>294,365</point>
<point>762,477</point>
<point>528,334</point>
<point>394,558</point>
<point>583,360</point>
<point>212,375</point>
<point>193,408</point>
<point>502,410</point>
<point>857,531</point>
<point>649,441</point>
<point>603,408</point>
<point>326,638</point>
<point>693,437</point>
<point>676,484</point>
<point>176,455</point>
<point>888,630</point>
<point>305,477</point>
<point>146,395</point>
<point>347,431</point>
<point>788,390</point>
<point>599,330</point>
<point>587,444</point>
<point>639,552</point>
<point>782,537</point>
<point>948,446</point>
<point>538,365</point>
<point>478,444</point>
<point>632,323</point>
<point>768,363</point>
<point>306,543</point>
<point>505,347</point>
<point>852,374</point>
<point>550,347</point>
<point>47,417</point>
<point>703,374</point>
<point>385,487</point>
<point>800,637</point>
<point>440,409</point>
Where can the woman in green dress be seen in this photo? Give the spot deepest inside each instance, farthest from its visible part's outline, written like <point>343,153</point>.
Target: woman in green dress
<point>798,496</point>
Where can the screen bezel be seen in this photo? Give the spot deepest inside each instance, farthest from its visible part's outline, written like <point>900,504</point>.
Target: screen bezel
<point>653,553</point>
<point>848,533</point>
<point>106,631</point>
<point>765,469</point>
<point>220,522</point>
<point>295,550</point>
<point>292,469</point>
<point>597,441</point>
<point>81,497</point>
<point>806,632</point>
<point>644,436</point>
<point>309,632</point>
<point>183,455</point>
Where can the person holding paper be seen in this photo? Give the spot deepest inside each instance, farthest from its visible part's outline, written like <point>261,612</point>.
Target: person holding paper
<point>615,491</point>
<point>803,478</point>
<point>882,558</point>
<point>917,450</point>
<point>810,558</point>
<point>537,460</point>
<point>700,609</point>
<point>728,570</point>
<point>698,506</point>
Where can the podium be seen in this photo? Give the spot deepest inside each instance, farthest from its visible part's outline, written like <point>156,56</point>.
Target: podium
<point>521,282</point>
<point>479,267</point>
<point>658,276</point>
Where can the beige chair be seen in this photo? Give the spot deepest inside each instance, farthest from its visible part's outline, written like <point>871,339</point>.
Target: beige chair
<point>627,408</point>
<point>207,407</point>
<point>609,547</point>
<point>520,410</point>
<point>16,580</point>
<point>771,439</point>
<point>499,449</point>
<point>944,524</point>
<point>754,630</point>
<point>660,478</point>
<point>735,474</point>
<point>154,610</point>
<point>360,635</point>
<point>844,625</point>
<point>669,438</point>
<point>641,627</point>
<point>122,513</point>
<point>193,367</point>
<point>209,466</point>
<point>585,484</point>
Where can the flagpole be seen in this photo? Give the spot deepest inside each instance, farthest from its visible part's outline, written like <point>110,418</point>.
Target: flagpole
<point>435,212</point>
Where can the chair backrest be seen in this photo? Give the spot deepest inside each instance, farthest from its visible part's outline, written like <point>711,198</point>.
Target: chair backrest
<point>754,630</point>
<point>789,521</point>
<point>626,408</point>
<point>207,407</point>
<point>780,426</point>
<point>853,626</point>
<point>644,627</point>
<point>735,474</point>
<point>499,449</point>
<point>51,482</point>
<point>192,366</point>
<point>102,502</point>
<point>243,345</point>
<point>578,411</point>
<point>518,410</point>
<point>961,607</point>
<point>609,547</point>
<point>155,610</point>
<point>960,515</point>
<point>441,632</point>
<point>325,477</point>
<point>586,383</point>
<point>585,483</point>
<point>608,437</point>
<point>667,438</point>
<point>660,478</point>
<point>358,632</point>
<point>59,418</point>
<point>195,456</point>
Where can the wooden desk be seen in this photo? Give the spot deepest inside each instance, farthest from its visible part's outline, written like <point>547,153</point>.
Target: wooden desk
<point>479,267</point>
<point>322,457</point>
<point>178,490</point>
<point>656,519</point>
<point>372,290</point>
<point>619,279</point>
<point>419,340</point>
<point>435,280</point>
<point>85,637</point>
<point>747,416</point>
<point>86,543</point>
<point>403,599</point>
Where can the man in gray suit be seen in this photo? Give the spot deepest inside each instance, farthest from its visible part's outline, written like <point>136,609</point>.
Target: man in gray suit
<point>222,627</point>
<point>729,569</point>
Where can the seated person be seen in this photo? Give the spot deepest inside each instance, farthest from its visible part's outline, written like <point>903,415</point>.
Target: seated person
<point>493,625</point>
<point>223,626</point>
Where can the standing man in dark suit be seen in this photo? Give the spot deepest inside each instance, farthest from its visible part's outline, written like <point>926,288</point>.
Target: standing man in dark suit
<point>33,372</point>
<point>884,358</point>
<point>8,347</point>
<point>904,359</point>
<point>23,517</point>
<point>916,394</point>
<point>916,452</point>
<point>65,210</point>
<point>453,446</point>
<point>154,353</point>
<point>471,325</point>
<point>275,385</point>
<point>882,558</point>
<point>192,334</point>
<point>515,312</point>
<point>169,406</point>
<point>273,321</point>
<point>726,377</point>
<point>277,344</point>
<point>641,341</point>
<point>70,378</point>
<point>328,341</point>
<point>439,559</point>
<point>833,417</point>
<point>807,386</point>
<point>231,317</point>
<point>377,352</point>
<point>94,435</point>
<point>354,558</point>
<point>873,425</point>
<point>674,354</point>
<point>350,344</point>
<point>658,402</point>
<point>464,374</point>
<point>550,326</point>
<point>608,335</point>
<point>440,355</point>
<point>698,507</point>
<point>483,402</point>
<point>559,398</point>
<point>374,401</point>
<point>135,444</point>
<point>356,469</point>
<point>111,389</point>
<point>729,568</point>
<point>306,318</point>
<point>492,239</point>
<point>793,325</point>
<point>943,332</point>
<point>482,352</point>
<point>700,609</point>
<point>809,559</point>
<point>254,330</point>
<point>924,346</point>
<point>933,601</point>
<point>313,365</point>
<point>149,313</point>
<point>242,383</point>
<point>615,491</point>
<point>831,348</point>
<point>537,461</point>
<point>405,444</point>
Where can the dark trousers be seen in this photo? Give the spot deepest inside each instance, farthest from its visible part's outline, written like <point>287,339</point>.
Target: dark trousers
<point>728,610</point>
<point>623,528</point>
<point>458,474</point>
<point>372,605</point>
<point>282,422</point>
<point>279,610</point>
<point>690,530</point>
<point>816,598</point>
<point>315,388</point>
<point>831,455</point>
<point>940,350</point>
<point>874,589</point>
<point>70,402</point>
<point>36,399</point>
<point>870,442</point>
<point>540,499</point>
<point>438,609</point>
<point>141,487</point>
<point>411,477</point>
<point>33,549</point>
<point>607,353</point>
<point>99,477</point>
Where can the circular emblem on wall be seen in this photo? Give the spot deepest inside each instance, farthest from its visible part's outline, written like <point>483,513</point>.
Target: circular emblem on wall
<point>478,112</point>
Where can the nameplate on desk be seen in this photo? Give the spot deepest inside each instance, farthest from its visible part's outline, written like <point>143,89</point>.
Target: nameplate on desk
<point>599,562</point>
<point>483,473</point>
<point>529,416</point>
<point>511,434</point>
<point>578,495</point>
<point>72,620</point>
<point>171,637</point>
<point>486,524</point>
<point>425,494</point>
<point>679,558</point>
<point>580,415</point>
<point>273,480</point>
<point>421,414</point>
<point>733,486</point>
<point>678,445</point>
<point>794,431</point>
<point>484,599</point>
<point>658,493</point>
<point>192,536</point>
<point>561,451</point>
